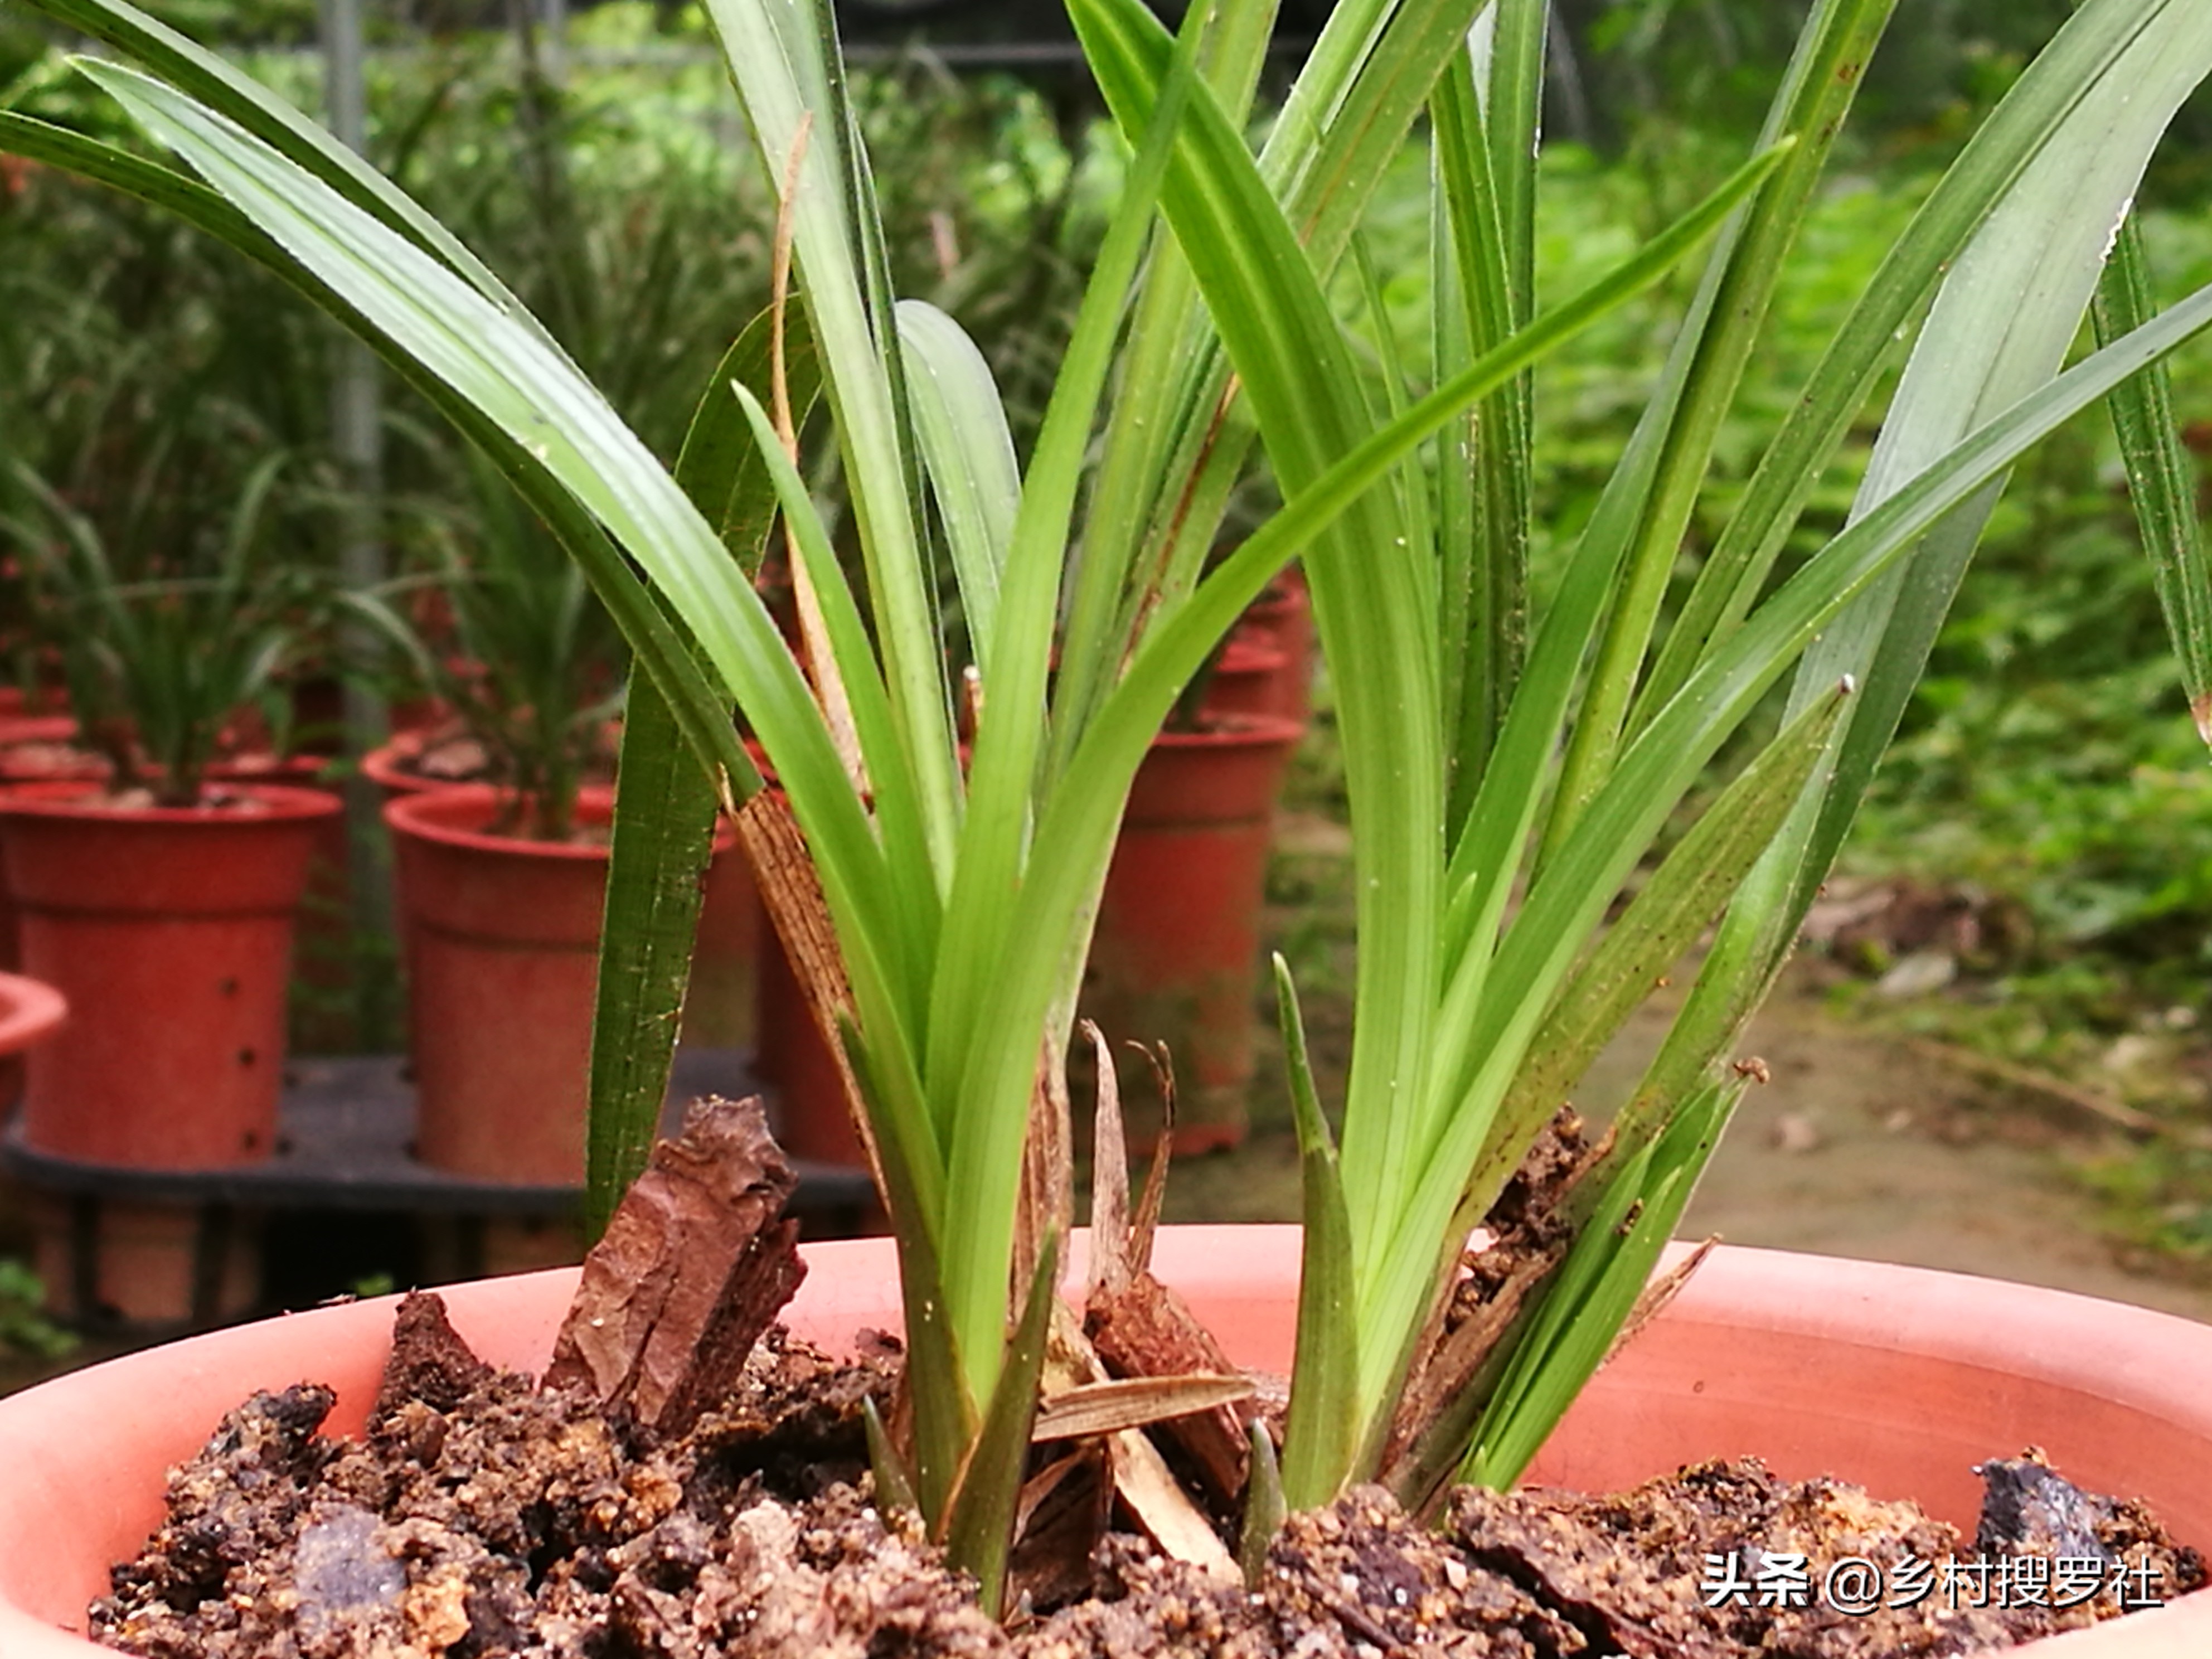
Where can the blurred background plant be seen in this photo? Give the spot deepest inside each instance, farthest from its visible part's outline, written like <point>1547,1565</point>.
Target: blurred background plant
<point>2027,770</point>
<point>171,624</point>
<point>503,631</point>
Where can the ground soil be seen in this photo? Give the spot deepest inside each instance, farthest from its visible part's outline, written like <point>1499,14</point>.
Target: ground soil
<point>1861,1144</point>
<point>1864,1143</point>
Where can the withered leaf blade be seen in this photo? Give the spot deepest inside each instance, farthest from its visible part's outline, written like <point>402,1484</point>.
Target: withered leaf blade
<point>696,1263</point>
<point>1046,1206</point>
<point>1157,1502</point>
<point>1141,1482</point>
<point>1110,1266</point>
<point>1133,1402</point>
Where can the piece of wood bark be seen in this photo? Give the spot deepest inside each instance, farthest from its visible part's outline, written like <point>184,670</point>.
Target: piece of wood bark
<point>1146,1329</point>
<point>696,1263</point>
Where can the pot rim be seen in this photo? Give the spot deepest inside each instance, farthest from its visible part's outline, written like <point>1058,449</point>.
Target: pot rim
<point>451,815</point>
<point>456,814</point>
<point>1234,732</point>
<point>386,767</point>
<point>16,727</point>
<point>512,1320</point>
<point>84,801</point>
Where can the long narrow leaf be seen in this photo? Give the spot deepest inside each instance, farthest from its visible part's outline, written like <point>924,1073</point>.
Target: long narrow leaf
<point>664,808</point>
<point>1322,1433</point>
<point>970,457</point>
<point>1688,890</point>
<point>2161,476</point>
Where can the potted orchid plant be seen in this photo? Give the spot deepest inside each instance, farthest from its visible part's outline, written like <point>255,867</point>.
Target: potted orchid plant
<point>155,879</point>
<point>1509,767</point>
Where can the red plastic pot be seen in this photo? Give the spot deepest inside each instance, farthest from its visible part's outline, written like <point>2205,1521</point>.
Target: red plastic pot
<point>718,1008</point>
<point>1283,618</point>
<point>169,930</point>
<point>1176,953</point>
<point>30,1012</point>
<point>1248,679</point>
<point>1895,1378</point>
<point>391,767</point>
<point>813,1119</point>
<point>17,727</point>
<point>502,949</point>
<point>43,749</point>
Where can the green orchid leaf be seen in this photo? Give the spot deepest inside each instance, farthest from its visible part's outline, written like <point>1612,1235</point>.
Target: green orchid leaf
<point>2161,476</point>
<point>1265,1507</point>
<point>894,1486</point>
<point>979,1528</point>
<point>663,831</point>
<point>655,643</point>
<point>1643,1197</point>
<point>970,458</point>
<point>1322,1433</point>
<point>664,808</point>
<point>1728,313</point>
<point>720,466</point>
<point>1691,887</point>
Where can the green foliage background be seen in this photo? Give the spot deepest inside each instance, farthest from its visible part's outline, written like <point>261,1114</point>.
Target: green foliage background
<point>2047,759</point>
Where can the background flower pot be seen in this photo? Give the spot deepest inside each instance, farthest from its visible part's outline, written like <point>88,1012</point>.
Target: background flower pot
<point>1250,677</point>
<point>812,1120</point>
<point>1283,618</point>
<point>1896,1378</point>
<point>30,1012</point>
<point>718,1008</point>
<point>169,930</point>
<point>503,958</point>
<point>1175,955</point>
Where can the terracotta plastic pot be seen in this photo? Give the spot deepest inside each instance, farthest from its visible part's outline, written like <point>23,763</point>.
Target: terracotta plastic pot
<point>1283,618</point>
<point>729,960</point>
<point>1895,1378</point>
<point>1176,953</point>
<point>718,1008</point>
<point>502,947</point>
<point>323,947</point>
<point>169,930</point>
<point>1248,679</point>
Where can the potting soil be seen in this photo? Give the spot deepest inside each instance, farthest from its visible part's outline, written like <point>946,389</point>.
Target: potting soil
<point>481,1515</point>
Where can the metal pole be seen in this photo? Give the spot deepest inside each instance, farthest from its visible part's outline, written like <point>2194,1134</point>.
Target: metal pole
<point>357,441</point>
<point>553,56</point>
